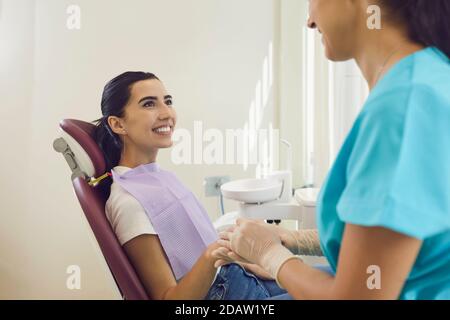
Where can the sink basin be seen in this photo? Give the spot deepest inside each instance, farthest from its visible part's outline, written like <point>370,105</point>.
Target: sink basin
<point>252,190</point>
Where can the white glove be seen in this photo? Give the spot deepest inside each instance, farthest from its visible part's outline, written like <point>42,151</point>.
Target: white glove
<point>223,257</point>
<point>256,243</point>
<point>303,242</point>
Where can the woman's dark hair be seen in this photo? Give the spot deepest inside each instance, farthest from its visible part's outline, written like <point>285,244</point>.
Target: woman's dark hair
<point>115,97</point>
<point>428,21</point>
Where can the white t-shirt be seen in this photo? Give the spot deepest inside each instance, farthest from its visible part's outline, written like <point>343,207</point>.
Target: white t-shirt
<point>125,214</point>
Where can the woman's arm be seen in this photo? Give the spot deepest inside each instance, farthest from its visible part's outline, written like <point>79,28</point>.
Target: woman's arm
<point>149,260</point>
<point>362,247</point>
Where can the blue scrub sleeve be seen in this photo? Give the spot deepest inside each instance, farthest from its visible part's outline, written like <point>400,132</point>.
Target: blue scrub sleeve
<point>398,174</point>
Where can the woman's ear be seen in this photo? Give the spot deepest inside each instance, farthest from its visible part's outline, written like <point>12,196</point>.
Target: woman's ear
<point>116,125</point>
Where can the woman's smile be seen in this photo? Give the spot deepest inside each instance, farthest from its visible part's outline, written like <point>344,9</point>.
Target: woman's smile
<point>165,130</point>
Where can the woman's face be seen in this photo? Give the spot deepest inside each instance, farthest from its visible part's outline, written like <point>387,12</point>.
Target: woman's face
<point>339,22</point>
<point>149,118</point>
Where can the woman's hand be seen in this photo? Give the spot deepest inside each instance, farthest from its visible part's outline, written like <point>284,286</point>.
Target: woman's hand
<point>223,257</point>
<point>221,254</point>
<point>208,253</point>
<point>257,243</point>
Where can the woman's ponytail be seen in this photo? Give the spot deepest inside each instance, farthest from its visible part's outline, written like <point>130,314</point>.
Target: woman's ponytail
<point>428,21</point>
<point>115,97</point>
<point>109,142</point>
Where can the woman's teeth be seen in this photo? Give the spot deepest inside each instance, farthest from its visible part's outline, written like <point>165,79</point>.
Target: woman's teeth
<point>162,130</point>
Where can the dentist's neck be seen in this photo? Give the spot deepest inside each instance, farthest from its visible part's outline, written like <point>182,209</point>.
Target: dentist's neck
<point>132,157</point>
<point>381,50</point>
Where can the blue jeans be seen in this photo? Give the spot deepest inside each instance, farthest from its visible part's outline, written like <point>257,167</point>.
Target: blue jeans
<point>287,296</point>
<point>233,282</point>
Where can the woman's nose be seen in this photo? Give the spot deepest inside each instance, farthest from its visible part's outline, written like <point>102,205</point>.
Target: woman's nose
<point>164,112</point>
<point>311,24</point>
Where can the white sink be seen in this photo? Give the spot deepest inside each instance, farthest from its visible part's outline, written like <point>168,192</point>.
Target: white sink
<point>253,190</point>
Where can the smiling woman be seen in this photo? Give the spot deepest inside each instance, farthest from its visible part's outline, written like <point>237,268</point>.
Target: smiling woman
<point>129,117</point>
<point>163,228</point>
<point>35,33</point>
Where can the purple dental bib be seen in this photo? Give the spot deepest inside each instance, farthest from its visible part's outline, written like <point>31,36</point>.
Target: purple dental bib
<point>183,226</point>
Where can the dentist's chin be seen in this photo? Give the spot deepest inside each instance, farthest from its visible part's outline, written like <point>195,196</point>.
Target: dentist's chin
<point>328,48</point>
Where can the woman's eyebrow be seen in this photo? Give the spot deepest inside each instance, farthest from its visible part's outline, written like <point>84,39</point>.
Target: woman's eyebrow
<point>148,98</point>
<point>154,98</point>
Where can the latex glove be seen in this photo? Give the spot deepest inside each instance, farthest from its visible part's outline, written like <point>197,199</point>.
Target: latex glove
<point>223,257</point>
<point>303,242</point>
<point>288,237</point>
<point>223,252</point>
<point>256,243</point>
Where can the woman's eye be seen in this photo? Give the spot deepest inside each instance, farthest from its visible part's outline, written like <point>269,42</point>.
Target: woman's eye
<point>149,104</point>
<point>169,102</point>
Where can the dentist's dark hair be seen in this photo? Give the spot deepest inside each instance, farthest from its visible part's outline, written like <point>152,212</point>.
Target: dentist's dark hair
<point>115,97</point>
<point>428,21</point>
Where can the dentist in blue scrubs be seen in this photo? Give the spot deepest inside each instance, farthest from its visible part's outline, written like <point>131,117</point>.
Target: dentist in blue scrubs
<point>384,210</point>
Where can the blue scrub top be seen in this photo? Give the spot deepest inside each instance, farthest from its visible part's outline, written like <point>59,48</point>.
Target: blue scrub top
<point>393,170</point>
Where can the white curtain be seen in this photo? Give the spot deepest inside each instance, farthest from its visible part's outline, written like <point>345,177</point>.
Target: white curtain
<point>335,93</point>
<point>318,99</point>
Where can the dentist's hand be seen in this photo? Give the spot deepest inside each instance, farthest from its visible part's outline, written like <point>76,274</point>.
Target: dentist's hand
<point>256,243</point>
<point>223,254</point>
<point>224,257</point>
<point>303,242</point>
<point>288,237</point>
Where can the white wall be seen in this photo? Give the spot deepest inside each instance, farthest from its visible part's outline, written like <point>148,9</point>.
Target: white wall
<point>16,74</point>
<point>209,53</point>
<point>291,91</point>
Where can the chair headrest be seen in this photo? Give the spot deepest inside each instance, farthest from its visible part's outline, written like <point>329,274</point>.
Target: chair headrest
<point>79,136</point>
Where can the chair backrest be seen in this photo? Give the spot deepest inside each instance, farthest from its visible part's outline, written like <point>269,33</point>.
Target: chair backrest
<point>86,161</point>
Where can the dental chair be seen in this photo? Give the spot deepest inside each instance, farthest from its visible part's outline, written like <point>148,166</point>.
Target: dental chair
<point>86,161</point>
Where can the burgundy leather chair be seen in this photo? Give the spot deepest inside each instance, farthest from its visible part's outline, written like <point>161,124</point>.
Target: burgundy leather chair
<point>86,162</point>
